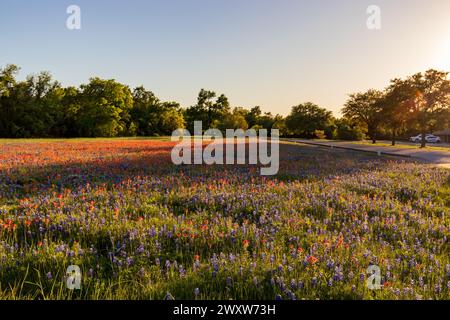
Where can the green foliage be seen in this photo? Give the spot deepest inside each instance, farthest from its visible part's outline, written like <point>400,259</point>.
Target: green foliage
<point>432,98</point>
<point>171,119</point>
<point>28,108</point>
<point>105,106</point>
<point>365,108</point>
<point>153,117</point>
<point>207,110</point>
<point>233,120</point>
<point>346,130</point>
<point>418,103</point>
<point>40,107</point>
<point>305,119</point>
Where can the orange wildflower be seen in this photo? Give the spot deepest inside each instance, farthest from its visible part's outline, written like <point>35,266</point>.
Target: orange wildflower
<point>312,260</point>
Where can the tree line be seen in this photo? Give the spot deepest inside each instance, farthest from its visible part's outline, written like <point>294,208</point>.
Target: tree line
<point>39,106</point>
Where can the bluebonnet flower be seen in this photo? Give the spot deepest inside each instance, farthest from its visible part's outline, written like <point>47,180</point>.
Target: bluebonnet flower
<point>272,281</point>
<point>291,295</point>
<point>293,284</point>
<point>130,261</point>
<point>169,296</point>
<point>437,288</point>
<point>182,271</point>
<point>140,249</point>
<point>421,281</point>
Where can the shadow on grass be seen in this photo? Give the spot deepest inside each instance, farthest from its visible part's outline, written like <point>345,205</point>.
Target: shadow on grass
<point>114,165</point>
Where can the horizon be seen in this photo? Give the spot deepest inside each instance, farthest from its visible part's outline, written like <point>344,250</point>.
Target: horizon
<point>274,55</point>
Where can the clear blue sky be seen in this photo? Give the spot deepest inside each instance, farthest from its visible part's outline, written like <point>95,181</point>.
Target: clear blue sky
<point>258,52</point>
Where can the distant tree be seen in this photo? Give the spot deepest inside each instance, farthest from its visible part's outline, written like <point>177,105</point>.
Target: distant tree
<point>105,107</point>
<point>153,117</point>
<point>8,79</point>
<point>145,112</point>
<point>397,107</point>
<point>69,111</point>
<point>345,129</point>
<point>280,125</point>
<point>432,98</point>
<point>253,116</point>
<point>365,108</point>
<point>39,107</point>
<point>171,118</point>
<point>42,106</point>
<point>306,118</point>
<point>207,110</point>
<point>8,101</point>
<point>267,120</point>
<point>233,120</point>
<point>28,108</point>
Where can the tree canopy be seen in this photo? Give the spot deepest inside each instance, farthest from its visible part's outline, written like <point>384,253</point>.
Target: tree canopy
<point>39,106</point>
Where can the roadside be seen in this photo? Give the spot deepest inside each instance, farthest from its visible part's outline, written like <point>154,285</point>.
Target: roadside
<point>406,144</point>
<point>438,157</point>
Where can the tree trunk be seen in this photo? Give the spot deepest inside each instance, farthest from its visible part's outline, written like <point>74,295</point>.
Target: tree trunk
<point>424,142</point>
<point>393,137</point>
<point>374,138</point>
<point>372,133</point>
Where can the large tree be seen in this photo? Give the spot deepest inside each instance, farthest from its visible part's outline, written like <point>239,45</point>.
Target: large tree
<point>153,117</point>
<point>66,124</point>
<point>8,102</point>
<point>43,105</point>
<point>307,118</point>
<point>171,118</point>
<point>431,98</point>
<point>397,107</point>
<point>145,112</point>
<point>253,116</point>
<point>233,120</point>
<point>29,108</point>
<point>208,109</point>
<point>365,108</point>
<point>104,109</point>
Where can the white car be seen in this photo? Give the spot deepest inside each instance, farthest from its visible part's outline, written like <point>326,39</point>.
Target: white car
<point>428,138</point>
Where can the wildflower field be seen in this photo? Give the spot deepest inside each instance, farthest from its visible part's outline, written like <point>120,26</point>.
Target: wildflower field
<point>140,227</point>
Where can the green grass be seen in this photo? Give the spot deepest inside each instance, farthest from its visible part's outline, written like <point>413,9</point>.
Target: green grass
<point>400,145</point>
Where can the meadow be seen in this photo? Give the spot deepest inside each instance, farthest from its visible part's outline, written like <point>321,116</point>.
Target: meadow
<point>140,227</point>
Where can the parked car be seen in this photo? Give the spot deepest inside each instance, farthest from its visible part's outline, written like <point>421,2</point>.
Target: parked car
<point>428,138</point>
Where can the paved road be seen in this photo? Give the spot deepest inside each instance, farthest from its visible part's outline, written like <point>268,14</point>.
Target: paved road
<point>441,158</point>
